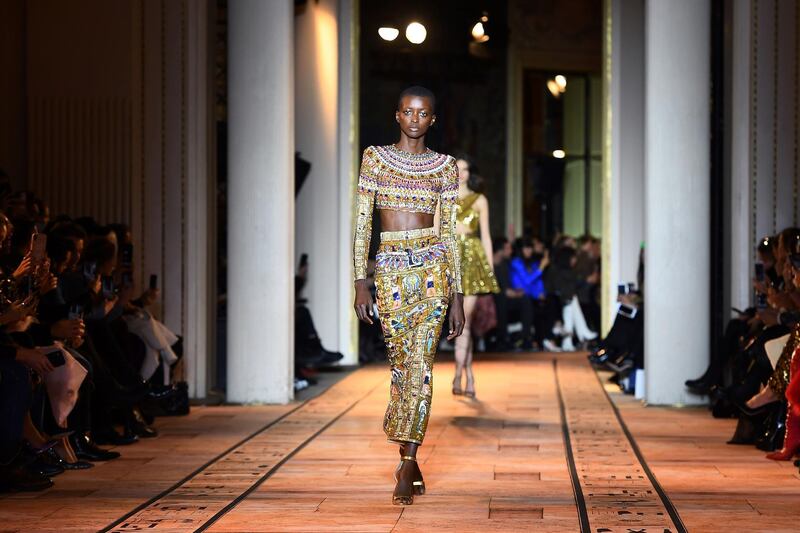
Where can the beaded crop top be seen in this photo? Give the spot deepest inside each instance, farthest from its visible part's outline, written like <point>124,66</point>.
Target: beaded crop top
<point>395,180</point>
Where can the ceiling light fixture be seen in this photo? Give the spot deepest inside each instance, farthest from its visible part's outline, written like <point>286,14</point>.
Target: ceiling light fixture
<point>552,86</point>
<point>559,154</point>
<point>557,85</point>
<point>388,33</point>
<point>479,30</point>
<point>416,33</point>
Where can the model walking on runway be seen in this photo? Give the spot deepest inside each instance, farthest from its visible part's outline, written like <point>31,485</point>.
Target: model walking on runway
<point>477,273</point>
<point>417,272</point>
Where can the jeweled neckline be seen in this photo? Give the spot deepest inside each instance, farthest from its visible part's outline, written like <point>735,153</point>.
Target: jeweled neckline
<point>422,155</point>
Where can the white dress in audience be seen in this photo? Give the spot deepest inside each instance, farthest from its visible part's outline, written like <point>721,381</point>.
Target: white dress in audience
<point>575,322</point>
<point>158,341</point>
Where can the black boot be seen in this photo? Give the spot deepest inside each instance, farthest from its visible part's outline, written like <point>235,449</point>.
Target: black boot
<point>86,449</point>
<point>137,426</point>
<point>747,429</point>
<point>110,436</point>
<point>17,477</point>
<point>37,460</point>
<point>771,438</point>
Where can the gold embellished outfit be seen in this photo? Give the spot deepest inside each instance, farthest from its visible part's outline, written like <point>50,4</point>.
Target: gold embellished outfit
<point>477,276</point>
<point>415,274</point>
<point>780,377</point>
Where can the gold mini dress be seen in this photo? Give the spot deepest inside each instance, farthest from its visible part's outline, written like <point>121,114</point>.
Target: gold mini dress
<point>416,272</point>
<point>477,276</point>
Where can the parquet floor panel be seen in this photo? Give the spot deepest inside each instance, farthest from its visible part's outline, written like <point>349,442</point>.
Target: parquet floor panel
<point>715,486</point>
<point>497,463</point>
<point>87,500</point>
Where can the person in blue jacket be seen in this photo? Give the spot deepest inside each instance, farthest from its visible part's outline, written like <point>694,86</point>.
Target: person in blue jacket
<point>527,270</point>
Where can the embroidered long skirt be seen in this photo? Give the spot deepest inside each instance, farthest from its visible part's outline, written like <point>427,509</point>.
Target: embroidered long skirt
<point>413,285</point>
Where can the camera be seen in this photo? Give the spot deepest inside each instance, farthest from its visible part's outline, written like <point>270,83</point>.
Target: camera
<point>38,247</point>
<point>626,288</point>
<point>90,270</point>
<point>75,312</point>
<point>126,255</point>
<point>760,271</point>
<point>107,287</point>
<point>627,311</point>
<point>56,357</point>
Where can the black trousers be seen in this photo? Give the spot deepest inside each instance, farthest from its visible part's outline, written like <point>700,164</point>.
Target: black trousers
<point>735,330</point>
<point>627,335</point>
<point>547,312</point>
<point>108,346</point>
<point>15,402</point>
<point>512,307</point>
<point>759,368</point>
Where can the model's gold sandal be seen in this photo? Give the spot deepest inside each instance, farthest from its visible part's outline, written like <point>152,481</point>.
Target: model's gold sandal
<point>419,485</point>
<point>405,499</point>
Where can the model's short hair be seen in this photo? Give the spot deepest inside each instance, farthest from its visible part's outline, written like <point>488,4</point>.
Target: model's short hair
<point>417,90</point>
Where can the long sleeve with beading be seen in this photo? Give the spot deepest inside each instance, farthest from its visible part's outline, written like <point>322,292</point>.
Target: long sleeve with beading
<point>365,199</point>
<point>447,223</point>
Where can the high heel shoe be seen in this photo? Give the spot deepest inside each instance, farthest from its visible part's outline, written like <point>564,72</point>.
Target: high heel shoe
<point>749,411</point>
<point>470,392</point>
<point>419,483</point>
<point>791,439</point>
<point>406,499</point>
<point>774,429</point>
<point>457,391</point>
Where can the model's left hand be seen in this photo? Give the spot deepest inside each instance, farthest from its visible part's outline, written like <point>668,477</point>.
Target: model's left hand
<point>456,316</point>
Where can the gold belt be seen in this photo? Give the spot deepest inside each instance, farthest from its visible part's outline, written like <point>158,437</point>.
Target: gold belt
<point>404,235</point>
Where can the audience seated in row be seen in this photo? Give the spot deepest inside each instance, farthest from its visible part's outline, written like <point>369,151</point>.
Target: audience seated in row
<point>755,376</point>
<point>83,362</point>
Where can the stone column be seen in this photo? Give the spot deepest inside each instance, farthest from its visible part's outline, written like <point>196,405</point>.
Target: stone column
<point>623,194</point>
<point>677,197</point>
<point>260,201</point>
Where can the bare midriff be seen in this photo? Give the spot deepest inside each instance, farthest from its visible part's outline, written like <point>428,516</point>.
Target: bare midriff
<point>404,220</point>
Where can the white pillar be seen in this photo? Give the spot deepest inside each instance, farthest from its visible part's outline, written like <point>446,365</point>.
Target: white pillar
<point>349,160</point>
<point>677,197</point>
<point>742,240</point>
<point>514,164</point>
<point>325,123</point>
<point>623,194</point>
<point>200,258</point>
<point>260,201</point>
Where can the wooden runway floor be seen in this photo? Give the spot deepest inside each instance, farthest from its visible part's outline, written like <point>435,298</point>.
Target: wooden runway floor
<point>542,448</point>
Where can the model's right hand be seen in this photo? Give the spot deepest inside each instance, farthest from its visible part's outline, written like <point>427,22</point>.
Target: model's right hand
<point>363,304</point>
